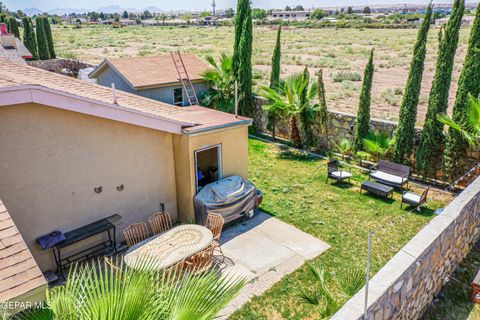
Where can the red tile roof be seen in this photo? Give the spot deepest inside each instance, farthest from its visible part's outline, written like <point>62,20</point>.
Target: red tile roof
<point>19,273</point>
<point>149,72</point>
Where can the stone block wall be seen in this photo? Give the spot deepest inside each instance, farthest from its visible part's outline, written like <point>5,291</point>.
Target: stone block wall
<point>407,284</point>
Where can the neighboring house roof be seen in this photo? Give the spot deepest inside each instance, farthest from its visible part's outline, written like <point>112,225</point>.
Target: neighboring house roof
<point>19,273</point>
<point>14,53</point>
<point>151,72</point>
<point>23,84</point>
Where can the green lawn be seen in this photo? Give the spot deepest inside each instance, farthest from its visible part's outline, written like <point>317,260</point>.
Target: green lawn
<point>295,191</point>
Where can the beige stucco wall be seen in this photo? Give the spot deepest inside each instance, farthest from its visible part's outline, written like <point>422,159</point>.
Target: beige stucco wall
<point>234,144</point>
<point>52,159</point>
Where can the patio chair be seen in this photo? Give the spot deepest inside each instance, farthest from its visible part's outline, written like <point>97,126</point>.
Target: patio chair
<point>335,173</point>
<point>160,222</point>
<point>200,262</point>
<point>135,233</point>
<point>414,199</point>
<point>215,224</point>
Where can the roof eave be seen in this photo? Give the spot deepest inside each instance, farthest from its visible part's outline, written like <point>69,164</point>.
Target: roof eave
<point>20,94</point>
<point>210,129</point>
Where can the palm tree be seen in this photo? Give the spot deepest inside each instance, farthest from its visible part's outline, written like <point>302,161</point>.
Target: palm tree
<point>321,296</point>
<point>294,96</point>
<point>221,95</point>
<point>379,146</point>
<point>116,292</point>
<point>470,127</point>
<point>344,147</point>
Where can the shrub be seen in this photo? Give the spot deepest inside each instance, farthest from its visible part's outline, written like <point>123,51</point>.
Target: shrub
<point>346,75</point>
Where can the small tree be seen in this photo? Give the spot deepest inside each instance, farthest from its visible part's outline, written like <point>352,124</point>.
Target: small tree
<point>13,27</point>
<point>432,134</point>
<point>42,44</point>
<point>125,14</point>
<point>468,83</point>
<point>349,10</point>
<point>244,75</point>
<point>276,61</point>
<point>322,102</point>
<point>318,14</point>
<point>408,109</point>
<point>363,116</point>
<point>29,38</point>
<point>48,34</point>
<point>367,10</point>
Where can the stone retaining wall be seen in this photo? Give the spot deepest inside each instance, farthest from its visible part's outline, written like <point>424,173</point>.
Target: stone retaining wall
<point>56,65</point>
<point>407,284</point>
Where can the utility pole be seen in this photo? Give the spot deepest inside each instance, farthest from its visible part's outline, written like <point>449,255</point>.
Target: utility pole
<point>213,7</point>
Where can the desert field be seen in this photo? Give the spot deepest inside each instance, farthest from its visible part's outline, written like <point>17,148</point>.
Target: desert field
<point>342,54</point>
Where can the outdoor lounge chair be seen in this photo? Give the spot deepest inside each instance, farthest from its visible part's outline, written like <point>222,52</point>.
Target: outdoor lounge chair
<point>215,224</point>
<point>160,222</point>
<point>335,173</point>
<point>135,233</point>
<point>392,174</point>
<point>414,199</point>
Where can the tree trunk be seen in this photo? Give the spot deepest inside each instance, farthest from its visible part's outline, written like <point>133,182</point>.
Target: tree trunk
<point>274,120</point>
<point>294,132</point>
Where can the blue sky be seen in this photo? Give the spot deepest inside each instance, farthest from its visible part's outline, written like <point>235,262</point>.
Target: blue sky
<point>190,4</point>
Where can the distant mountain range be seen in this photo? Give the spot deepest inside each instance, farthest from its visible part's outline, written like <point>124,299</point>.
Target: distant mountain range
<point>107,9</point>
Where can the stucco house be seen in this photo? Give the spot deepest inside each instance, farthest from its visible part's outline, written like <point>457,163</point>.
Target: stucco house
<point>73,152</point>
<point>152,77</point>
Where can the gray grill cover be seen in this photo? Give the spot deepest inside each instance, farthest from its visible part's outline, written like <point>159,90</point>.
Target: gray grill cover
<point>229,197</point>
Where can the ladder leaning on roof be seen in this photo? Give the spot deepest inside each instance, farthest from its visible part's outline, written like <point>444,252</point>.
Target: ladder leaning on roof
<point>184,78</point>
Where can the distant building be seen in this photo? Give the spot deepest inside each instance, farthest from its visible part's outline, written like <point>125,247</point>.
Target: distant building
<point>466,21</point>
<point>152,77</point>
<point>12,48</point>
<point>289,15</point>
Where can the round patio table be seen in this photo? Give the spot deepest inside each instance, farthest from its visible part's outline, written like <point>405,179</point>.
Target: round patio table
<point>169,248</point>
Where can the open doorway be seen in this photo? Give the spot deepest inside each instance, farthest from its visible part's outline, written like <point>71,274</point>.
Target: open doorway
<point>208,165</point>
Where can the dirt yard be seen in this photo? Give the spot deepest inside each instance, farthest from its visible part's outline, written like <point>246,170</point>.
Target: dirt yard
<point>336,51</point>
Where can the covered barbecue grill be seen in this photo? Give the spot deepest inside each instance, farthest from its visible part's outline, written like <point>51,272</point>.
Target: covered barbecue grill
<point>233,198</point>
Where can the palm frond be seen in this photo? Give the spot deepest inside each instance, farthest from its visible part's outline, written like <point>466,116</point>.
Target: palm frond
<point>351,281</point>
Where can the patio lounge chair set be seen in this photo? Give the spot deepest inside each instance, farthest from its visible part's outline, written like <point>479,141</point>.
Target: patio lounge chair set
<point>387,176</point>
<point>136,235</point>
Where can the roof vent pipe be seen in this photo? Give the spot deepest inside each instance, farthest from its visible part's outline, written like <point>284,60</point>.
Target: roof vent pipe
<point>114,94</point>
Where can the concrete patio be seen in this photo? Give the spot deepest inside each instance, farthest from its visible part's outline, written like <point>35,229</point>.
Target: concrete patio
<point>265,249</point>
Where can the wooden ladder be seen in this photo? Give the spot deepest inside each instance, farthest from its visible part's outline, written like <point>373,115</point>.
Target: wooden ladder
<point>184,78</point>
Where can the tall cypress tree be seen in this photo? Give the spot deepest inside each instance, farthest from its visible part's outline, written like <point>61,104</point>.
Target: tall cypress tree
<point>432,133</point>
<point>29,38</point>
<point>322,101</point>
<point>363,116</point>
<point>13,27</point>
<point>48,34</point>
<point>469,82</point>
<point>243,6</point>
<point>405,134</point>
<point>245,67</point>
<point>276,68</point>
<point>42,44</point>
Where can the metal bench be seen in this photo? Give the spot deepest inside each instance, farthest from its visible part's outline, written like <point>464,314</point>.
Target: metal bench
<point>106,225</point>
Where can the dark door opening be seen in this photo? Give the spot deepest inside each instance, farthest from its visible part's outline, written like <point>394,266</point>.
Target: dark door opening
<point>208,166</point>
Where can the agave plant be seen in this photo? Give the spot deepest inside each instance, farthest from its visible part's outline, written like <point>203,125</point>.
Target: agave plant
<point>344,147</point>
<point>470,127</point>
<point>116,292</point>
<point>321,296</point>
<point>379,145</point>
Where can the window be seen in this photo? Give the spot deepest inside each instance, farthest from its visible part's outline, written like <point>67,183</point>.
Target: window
<point>178,96</point>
